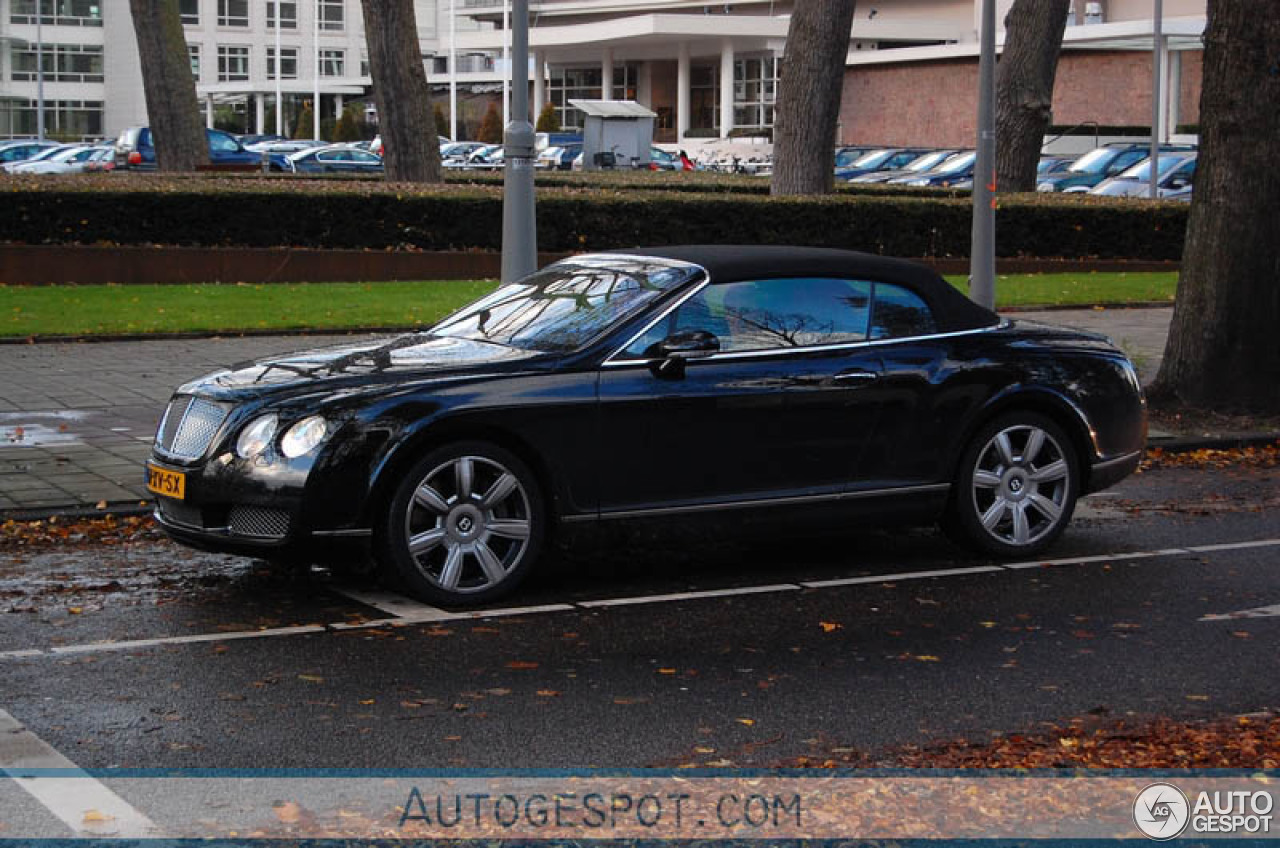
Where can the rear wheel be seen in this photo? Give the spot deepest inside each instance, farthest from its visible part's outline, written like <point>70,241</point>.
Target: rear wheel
<point>464,526</point>
<point>1017,486</point>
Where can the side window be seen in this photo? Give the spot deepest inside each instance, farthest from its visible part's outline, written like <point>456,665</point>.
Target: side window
<point>222,142</point>
<point>769,315</point>
<point>898,313</point>
<point>1124,160</point>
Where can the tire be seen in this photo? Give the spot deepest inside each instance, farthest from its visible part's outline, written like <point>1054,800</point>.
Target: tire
<point>1016,487</point>
<point>464,526</point>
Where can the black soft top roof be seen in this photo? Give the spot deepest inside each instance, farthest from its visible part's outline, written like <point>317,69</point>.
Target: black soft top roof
<point>730,263</point>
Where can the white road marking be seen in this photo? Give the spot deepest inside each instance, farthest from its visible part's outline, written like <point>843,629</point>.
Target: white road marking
<point>407,612</point>
<point>1257,612</point>
<point>897,578</point>
<point>395,604</point>
<point>1235,546</point>
<point>82,803</point>
<point>690,596</point>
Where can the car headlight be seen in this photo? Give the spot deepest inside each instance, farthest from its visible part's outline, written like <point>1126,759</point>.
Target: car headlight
<point>255,438</point>
<point>1046,187</point>
<point>303,437</point>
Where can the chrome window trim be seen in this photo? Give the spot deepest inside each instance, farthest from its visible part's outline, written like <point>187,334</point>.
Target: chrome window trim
<point>610,362</point>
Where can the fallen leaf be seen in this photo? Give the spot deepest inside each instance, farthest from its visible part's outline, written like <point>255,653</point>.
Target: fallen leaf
<point>927,658</point>
<point>548,693</point>
<point>75,610</point>
<point>828,626</point>
<point>95,816</point>
<point>521,665</point>
<point>666,671</point>
<point>747,721</point>
<point>1197,697</point>
<point>311,678</point>
<point>288,812</point>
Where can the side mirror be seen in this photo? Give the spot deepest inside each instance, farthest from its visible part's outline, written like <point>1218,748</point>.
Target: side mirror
<point>671,354</point>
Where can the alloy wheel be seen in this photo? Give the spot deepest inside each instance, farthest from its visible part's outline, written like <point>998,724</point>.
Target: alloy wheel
<point>467,525</point>
<point>1021,485</point>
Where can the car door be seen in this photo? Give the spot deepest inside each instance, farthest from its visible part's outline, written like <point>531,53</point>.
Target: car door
<point>780,411</point>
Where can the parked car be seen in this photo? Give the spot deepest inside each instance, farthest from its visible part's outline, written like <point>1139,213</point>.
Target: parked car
<point>19,150</point>
<point>664,160</point>
<point>923,163</point>
<point>278,152</point>
<point>884,159</point>
<point>1100,163</point>
<point>1174,177</point>
<point>102,161</point>
<point>846,156</point>
<point>73,159</point>
<point>135,151</point>
<point>954,170</point>
<point>672,384</point>
<point>375,146</point>
<point>458,150</point>
<point>334,159</point>
<point>39,156</point>
<point>1053,165</point>
<point>558,157</point>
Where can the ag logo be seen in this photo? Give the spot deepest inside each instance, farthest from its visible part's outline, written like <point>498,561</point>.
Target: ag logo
<point>1161,811</point>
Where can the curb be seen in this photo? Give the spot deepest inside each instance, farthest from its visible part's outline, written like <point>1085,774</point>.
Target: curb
<point>1172,444</point>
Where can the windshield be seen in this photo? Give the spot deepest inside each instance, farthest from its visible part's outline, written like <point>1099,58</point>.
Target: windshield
<point>957,163</point>
<point>566,305</point>
<point>1142,170</point>
<point>927,162</point>
<point>1093,162</point>
<point>845,158</point>
<point>873,159</point>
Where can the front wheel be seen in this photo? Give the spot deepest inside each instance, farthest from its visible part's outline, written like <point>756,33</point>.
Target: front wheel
<point>1016,487</point>
<point>464,526</point>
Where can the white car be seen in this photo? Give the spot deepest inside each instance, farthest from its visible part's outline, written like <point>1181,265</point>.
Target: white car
<point>1176,172</point>
<point>26,166</point>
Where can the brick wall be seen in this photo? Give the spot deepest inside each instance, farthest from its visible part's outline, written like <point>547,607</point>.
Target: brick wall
<point>934,103</point>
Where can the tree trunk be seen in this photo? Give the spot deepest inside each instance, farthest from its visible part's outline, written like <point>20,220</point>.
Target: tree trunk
<point>804,131</point>
<point>1024,88</point>
<point>411,149</point>
<point>1222,351</point>
<point>172,110</point>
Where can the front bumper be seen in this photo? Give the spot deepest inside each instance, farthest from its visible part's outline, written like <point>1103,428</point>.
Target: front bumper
<point>1106,473</point>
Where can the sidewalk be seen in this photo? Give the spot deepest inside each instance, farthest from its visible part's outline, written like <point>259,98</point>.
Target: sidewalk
<point>77,420</point>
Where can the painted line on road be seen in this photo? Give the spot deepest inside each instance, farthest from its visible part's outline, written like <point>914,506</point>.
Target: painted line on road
<point>690,596</point>
<point>898,578</point>
<point>1257,612</point>
<point>406,612</point>
<point>80,802</point>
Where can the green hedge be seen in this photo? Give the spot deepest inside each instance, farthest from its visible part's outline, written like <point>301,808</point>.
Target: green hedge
<point>221,211</point>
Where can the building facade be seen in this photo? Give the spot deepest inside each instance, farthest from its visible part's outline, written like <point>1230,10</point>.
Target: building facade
<point>707,70</point>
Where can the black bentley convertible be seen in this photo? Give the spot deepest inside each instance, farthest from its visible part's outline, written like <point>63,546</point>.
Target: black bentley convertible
<point>652,383</point>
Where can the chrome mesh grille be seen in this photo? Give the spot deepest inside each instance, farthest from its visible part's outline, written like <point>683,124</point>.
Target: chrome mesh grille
<point>259,521</point>
<point>189,425</point>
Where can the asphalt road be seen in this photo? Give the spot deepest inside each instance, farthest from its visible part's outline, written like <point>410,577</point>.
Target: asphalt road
<point>149,655</point>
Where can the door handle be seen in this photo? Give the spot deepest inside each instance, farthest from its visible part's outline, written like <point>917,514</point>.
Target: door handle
<point>856,376</point>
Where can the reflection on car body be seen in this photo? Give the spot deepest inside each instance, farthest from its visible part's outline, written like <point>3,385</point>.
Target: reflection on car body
<point>658,383</point>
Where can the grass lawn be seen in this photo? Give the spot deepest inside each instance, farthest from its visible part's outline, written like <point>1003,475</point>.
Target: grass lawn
<point>120,310</point>
<point>1078,289</point>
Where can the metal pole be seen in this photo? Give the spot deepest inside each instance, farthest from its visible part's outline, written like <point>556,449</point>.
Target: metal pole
<point>506,60</point>
<point>453,71</point>
<point>519,228</point>
<point>40,69</point>
<point>315,103</point>
<point>982,253</point>
<point>1156,85</point>
<point>279,74</point>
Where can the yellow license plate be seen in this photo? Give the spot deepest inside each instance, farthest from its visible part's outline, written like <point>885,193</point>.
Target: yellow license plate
<point>171,484</point>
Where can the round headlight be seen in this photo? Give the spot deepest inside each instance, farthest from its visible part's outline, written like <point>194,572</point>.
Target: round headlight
<point>255,438</point>
<point>304,436</point>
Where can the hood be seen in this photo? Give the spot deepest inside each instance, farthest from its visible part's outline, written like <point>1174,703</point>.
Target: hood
<point>405,358</point>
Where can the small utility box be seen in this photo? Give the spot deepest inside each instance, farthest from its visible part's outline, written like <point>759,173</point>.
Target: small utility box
<point>618,134</point>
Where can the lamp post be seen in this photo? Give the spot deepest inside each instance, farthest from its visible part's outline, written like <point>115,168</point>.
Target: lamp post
<point>315,102</point>
<point>279,73</point>
<point>453,71</point>
<point>40,70</point>
<point>1156,85</point>
<point>982,252</point>
<point>519,231</point>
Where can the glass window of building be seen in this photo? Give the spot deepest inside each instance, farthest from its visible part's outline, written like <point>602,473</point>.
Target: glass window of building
<point>288,63</point>
<point>288,11</point>
<point>233,63</point>
<point>57,12</point>
<point>189,11</point>
<point>233,13</point>
<point>62,63</point>
<point>565,84</point>
<point>193,54</point>
<point>332,14</point>
<point>755,85</point>
<point>70,119</point>
<point>333,63</point>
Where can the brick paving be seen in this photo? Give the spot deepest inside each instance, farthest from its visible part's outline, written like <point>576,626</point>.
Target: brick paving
<point>77,420</point>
